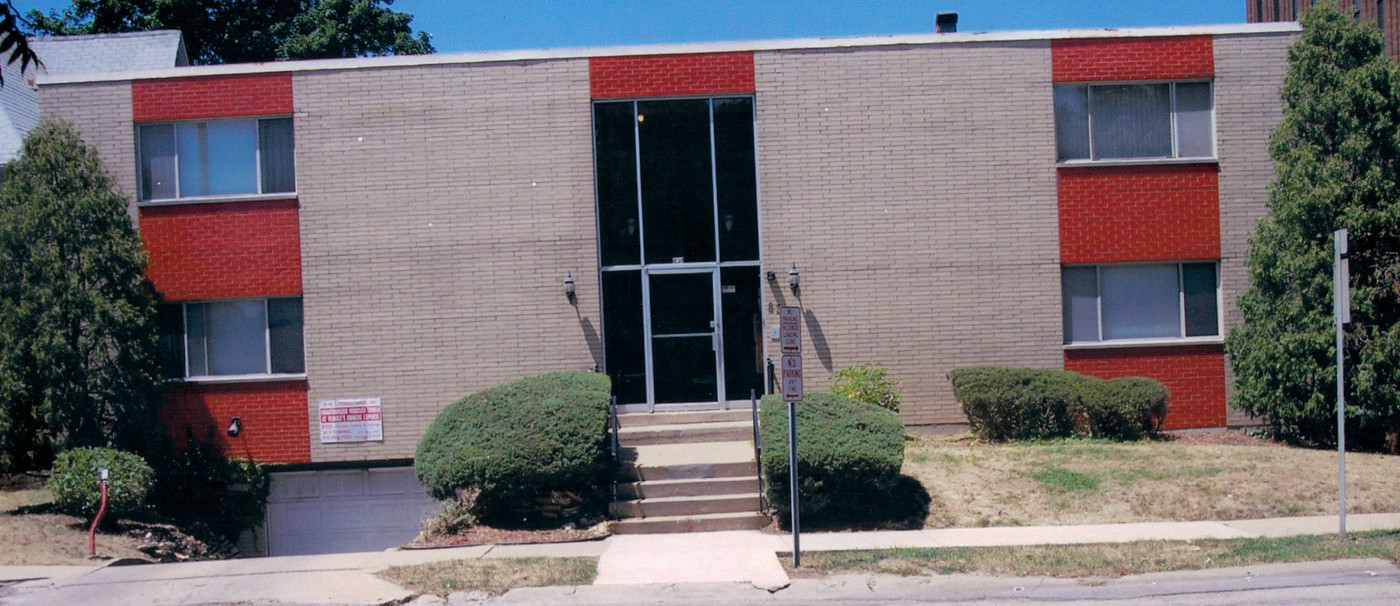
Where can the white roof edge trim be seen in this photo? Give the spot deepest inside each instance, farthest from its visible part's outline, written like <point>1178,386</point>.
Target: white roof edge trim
<point>307,65</point>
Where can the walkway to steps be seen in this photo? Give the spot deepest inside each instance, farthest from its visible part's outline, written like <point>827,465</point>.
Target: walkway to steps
<point>687,472</point>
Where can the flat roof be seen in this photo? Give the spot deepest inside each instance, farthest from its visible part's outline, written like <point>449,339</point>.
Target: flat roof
<point>306,65</point>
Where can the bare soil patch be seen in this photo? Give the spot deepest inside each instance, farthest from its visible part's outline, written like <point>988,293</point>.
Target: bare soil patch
<point>1196,476</point>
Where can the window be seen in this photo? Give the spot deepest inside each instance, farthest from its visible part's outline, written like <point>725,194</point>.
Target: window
<point>223,158</point>
<point>1134,121</point>
<point>232,338</point>
<point>1129,302</point>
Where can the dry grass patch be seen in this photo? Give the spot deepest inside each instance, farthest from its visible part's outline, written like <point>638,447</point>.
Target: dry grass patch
<point>494,576</point>
<point>50,538</point>
<point>1087,481</point>
<point>1077,561</point>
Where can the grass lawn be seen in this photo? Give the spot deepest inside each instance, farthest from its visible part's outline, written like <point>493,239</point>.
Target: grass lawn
<point>494,576</point>
<point>41,539</point>
<point>1100,560</point>
<point>1095,482</point>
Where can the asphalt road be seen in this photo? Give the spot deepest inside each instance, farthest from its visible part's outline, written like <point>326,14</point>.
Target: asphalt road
<point>1339,583</point>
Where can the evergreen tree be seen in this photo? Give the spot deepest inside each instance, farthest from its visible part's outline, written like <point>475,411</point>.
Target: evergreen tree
<point>78,339</point>
<point>1337,158</point>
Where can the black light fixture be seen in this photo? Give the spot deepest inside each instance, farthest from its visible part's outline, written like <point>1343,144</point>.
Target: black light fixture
<point>235,428</point>
<point>792,278</point>
<point>569,285</point>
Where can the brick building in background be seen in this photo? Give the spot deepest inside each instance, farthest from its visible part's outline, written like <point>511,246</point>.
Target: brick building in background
<point>1384,14</point>
<point>400,229</point>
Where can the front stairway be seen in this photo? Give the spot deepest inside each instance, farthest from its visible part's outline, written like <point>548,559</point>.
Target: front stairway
<point>686,472</point>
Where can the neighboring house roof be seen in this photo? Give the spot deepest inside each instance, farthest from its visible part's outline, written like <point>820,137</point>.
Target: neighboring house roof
<point>63,55</point>
<point>72,55</point>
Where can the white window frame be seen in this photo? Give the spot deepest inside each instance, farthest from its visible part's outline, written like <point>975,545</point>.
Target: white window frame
<point>1175,158</point>
<point>1181,339</point>
<point>267,346</point>
<point>257,164</point>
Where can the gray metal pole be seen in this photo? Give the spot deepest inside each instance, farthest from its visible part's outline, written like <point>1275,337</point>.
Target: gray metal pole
<point>1341,298</point>
<point>792,493</point>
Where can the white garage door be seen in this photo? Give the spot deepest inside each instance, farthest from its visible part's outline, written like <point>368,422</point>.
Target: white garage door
<point>344,510</point>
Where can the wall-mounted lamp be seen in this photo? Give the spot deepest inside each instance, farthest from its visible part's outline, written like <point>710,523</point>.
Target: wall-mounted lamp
<point>569,285</point>
<point>235,428</point>
<point>772,276</point>
<point>792,278</point>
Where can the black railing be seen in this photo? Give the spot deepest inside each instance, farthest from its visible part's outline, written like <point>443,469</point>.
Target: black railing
<point>612,440</point>
<point>757,449</point>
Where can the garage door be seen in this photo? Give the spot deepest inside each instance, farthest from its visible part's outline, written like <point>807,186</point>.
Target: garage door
<point>344,510</point>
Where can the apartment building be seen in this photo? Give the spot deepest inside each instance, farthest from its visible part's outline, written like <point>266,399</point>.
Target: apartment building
<point>344,247</point>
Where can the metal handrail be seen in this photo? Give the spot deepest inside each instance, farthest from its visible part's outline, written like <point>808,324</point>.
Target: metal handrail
<point>757,449</point>
<point>612,438</point>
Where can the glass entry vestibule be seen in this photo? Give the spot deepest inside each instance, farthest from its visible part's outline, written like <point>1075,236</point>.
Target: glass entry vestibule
<point>678,239</point>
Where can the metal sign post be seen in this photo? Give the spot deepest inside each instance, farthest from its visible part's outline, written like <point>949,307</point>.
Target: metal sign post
<point>790,326</point>
<point>1341,307</point>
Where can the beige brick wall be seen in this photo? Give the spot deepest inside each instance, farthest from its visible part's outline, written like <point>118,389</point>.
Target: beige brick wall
<point>1248,75</point>
<point>101,112</point>
<point>440,209</point>
<point>914,187</point>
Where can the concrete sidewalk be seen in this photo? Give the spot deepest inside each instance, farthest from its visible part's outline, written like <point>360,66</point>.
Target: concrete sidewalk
<point>749,558</point>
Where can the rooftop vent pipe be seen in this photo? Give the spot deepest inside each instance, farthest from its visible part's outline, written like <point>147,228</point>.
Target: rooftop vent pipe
<point>947,23</point>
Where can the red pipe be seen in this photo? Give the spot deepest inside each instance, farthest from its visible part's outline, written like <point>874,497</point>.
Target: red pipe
<point>92,532</point>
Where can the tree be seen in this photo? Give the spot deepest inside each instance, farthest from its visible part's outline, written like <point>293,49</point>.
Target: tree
<point>1337,158</point>
<point>242,31</point>
<point>13,40</point>
<point>78,337</point>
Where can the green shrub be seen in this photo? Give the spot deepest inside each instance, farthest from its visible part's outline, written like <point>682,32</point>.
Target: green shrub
<point>517,442</point>
<point>76,491</point>
<point>1126,408</point>
<point>868,383</point>
<point>848,458</point>
<point>1017,403</point>
<point>1005,404</point>
<point>199,484</point>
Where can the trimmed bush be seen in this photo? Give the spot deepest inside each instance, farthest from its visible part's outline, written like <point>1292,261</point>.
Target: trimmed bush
<point>75,488</point>
<point>517,442</point>
<point>1126,408</point>
<point>868,383</point>
<point>1004,404</point>
<point>199,484</point>
<point>848,458</point>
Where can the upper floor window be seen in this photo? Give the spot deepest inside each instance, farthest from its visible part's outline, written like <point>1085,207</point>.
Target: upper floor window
<point>243,337</point>
<point>1131,302</point>
<point>216,158</point>
<point>1134,121</point>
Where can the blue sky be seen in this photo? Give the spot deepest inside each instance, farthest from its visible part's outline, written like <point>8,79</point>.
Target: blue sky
<point>475,25</point>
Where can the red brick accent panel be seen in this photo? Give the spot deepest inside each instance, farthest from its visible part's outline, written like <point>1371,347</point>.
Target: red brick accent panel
<point>215,251</point>
<point>211,97</point>
<point>1097,59</point>
<point>660,75</point>
<point>1195,375</point>
<point>275,427</point>
<point>1139,213</point>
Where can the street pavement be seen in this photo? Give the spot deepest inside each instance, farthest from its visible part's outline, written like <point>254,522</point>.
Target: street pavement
<point>739,567</point>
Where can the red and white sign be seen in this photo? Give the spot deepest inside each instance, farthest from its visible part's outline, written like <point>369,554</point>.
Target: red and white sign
<point>792,378</point>
<point>353,420</point>
<point>790,329</point>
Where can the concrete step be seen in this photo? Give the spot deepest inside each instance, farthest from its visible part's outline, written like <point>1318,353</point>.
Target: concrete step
<point>685,433</point>
<point>643,419</point>
<point>699,523</point>
<point>660,489</point>
<point>730,459</point>
<point>686,506</point>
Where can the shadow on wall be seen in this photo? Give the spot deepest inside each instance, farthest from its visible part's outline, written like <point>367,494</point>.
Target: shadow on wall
<point>590,336</point>
<point>817,338</point>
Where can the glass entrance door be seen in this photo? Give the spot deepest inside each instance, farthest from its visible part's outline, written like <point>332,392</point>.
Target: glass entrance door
<point>684,337</point>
